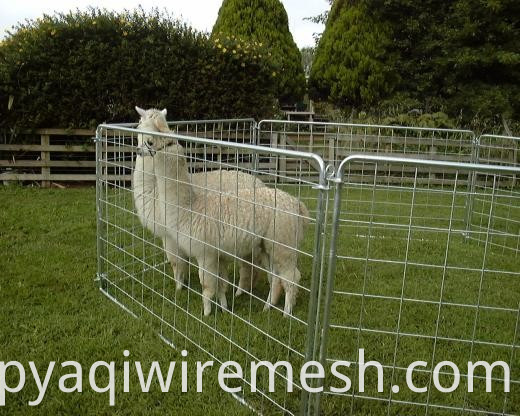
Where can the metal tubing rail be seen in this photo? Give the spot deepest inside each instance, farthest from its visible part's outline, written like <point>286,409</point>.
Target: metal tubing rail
<point>376,126</point>
<point>424,162</point>
<point>212,142</point>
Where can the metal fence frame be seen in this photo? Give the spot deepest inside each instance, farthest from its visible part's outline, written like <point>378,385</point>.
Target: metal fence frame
<point>339,184</point>
<point>321,187</point>
<point>324,249</point>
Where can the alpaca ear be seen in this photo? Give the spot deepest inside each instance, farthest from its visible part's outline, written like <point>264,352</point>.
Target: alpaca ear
<point>140,111</point>
<point>163,111</point>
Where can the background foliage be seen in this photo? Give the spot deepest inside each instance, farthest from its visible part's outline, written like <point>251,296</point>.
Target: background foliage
<point>84,68</point>
<point>266,23</point>
<point>459,56</point>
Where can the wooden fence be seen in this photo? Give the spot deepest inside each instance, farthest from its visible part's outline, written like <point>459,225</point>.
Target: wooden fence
<point>49,155</point>
<point>52,156</point>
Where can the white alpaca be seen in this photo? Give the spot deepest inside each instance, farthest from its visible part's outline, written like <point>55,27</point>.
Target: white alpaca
<point>266,224</point>
<point>146,200</point>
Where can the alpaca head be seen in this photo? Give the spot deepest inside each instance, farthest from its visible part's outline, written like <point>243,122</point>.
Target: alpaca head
<point>151,120</point>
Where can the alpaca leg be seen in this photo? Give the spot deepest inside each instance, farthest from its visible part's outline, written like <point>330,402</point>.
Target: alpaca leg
<point>250,273</point>
<point>179,264</point>
<point>222,284</point>
<point>208,278</point>
<point>246,281</point>
<point>289,282</point>
<point>275,290</point>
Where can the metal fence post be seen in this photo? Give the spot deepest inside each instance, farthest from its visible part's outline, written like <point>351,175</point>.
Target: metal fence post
<point>310,349</point>
<point>331,273</point>
<point>472,178</point>
<point>99,210</point>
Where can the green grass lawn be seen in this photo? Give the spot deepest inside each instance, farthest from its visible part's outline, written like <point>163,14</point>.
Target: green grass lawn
<point>52,309</point>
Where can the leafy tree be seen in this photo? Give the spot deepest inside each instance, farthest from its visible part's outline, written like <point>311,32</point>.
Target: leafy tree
<point>459,56</point>
<point>265,22</point>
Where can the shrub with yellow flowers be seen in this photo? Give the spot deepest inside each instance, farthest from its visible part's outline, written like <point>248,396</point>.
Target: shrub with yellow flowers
<point>86,67</point>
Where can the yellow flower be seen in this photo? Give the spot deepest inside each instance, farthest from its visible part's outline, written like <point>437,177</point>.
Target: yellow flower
<point>274,74</point>
<point>125,33</point>
<point>234,51</point>
<point>219,46</point>
<point>224,50</point>
<point>53,33</point>
<point>94,22</point>
<point>243,65</point>
<point>260,44</point>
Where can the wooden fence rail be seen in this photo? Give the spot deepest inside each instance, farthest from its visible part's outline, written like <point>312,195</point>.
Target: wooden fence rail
<point>57,155</point>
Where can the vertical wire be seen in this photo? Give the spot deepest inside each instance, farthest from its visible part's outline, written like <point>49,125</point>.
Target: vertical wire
<point>365,273</point>
<point>482,273</point>
<point>402,288</point>
<point>443,281</point>
<point>512,356</point>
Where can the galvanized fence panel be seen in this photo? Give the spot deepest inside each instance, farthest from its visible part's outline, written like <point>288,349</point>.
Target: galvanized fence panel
<point>406,284</point>
<point>505,217</point>
<point>423,261</point>
<point>335,141</point>
<point>135,273</point>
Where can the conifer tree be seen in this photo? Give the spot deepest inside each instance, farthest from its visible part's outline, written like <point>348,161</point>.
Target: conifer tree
<point>266,22</point>
<point>458,56</point>
<point>349,63</point>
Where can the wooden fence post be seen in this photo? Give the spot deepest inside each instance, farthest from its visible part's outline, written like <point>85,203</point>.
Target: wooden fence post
<point>45,157</point>
<point>283,159</point>
<point>433,153</point>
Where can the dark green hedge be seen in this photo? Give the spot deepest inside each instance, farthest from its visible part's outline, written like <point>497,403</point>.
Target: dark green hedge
<point>84,68</point>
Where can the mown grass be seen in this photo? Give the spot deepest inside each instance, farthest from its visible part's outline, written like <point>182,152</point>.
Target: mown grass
<point>54,312</point>
<point>51,310</point>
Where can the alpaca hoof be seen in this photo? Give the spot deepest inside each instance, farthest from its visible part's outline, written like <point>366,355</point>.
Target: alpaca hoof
<point>287,312</point>
<point>223,303</point>
<point>207,310</point>
<point>267,306</point>
<point>238,292</point>
<point>178,286</point>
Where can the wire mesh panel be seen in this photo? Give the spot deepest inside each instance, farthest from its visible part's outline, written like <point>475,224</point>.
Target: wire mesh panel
<point>406,284</point>
<point>498,224</point>
<point>499,150</point>
<point>232,130</point>
<point>223,217</point>
<point>335,141</point>
<point>201,217</point>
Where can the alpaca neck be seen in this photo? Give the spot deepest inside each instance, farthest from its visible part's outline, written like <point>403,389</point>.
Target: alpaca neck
<point>172,181</point>
<point>143,180</point>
